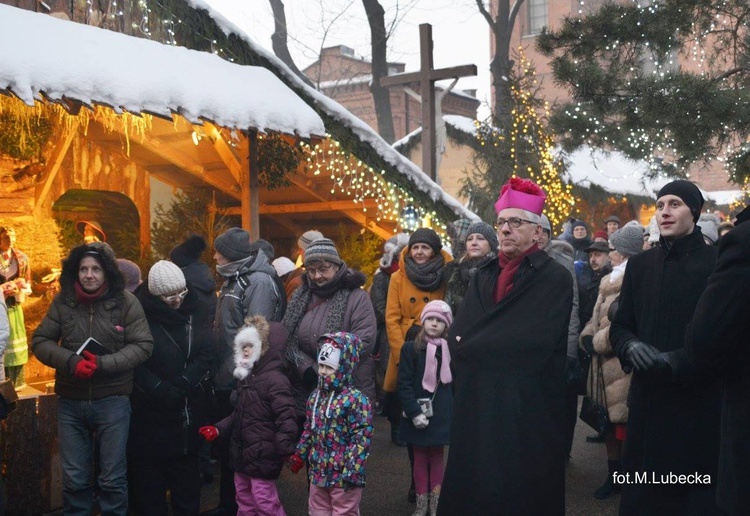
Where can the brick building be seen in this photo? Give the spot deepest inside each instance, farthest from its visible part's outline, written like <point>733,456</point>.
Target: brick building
<point>344,77</point>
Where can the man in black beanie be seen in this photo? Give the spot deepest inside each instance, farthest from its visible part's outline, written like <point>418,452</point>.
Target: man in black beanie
<point>250,288</point>
<point>670,406</point>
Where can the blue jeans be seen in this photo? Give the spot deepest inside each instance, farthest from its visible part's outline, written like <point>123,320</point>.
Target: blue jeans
<point>81,422</point>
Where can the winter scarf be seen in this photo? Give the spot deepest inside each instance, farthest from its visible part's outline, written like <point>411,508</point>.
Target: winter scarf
<point>508,269</point>
<point>468,266</point>
<point>427,277</point>
<point>337,290</point>
<point>429,380</point>
<point>89,297</point>
<point>228,270</point>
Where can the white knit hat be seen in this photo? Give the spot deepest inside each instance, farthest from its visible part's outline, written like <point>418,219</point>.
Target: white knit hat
<point>329,355</point>
<point>165,278</point>
<point>283,265</point>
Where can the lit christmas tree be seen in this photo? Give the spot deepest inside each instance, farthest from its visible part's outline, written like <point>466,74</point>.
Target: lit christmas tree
<point>525,149</point>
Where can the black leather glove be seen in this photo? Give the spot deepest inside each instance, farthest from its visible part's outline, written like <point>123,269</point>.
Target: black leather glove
<point>587,341</point>
<point>572,370</point>
<point>642,356</point>
<point>310,378</point>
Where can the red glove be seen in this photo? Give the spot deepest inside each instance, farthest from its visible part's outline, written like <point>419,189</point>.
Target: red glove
<point>296,463</point>
<point>90,357</point>
<point>85,369</point>
<point>209,433</point>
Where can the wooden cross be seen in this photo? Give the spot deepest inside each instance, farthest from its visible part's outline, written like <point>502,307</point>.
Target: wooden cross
<point>426,78</point>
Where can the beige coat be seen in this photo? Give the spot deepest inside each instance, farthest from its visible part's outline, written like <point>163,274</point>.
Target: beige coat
<point>616,382</point>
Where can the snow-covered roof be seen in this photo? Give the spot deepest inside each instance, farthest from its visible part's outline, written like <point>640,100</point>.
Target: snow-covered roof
<point>462,123</point>
<point>42,54</point>
<point>360,129</point>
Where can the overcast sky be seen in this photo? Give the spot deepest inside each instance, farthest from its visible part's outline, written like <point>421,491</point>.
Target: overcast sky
<point>460,34</point>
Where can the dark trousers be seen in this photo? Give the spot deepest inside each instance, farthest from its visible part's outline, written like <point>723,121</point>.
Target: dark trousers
<point>150,478</point>
<point>571,416</point>
<point>226,482</point>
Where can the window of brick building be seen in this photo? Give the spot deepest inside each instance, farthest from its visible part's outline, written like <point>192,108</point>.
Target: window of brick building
<point>536,16</point>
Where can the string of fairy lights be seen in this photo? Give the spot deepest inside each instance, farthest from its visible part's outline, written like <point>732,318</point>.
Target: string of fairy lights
<point>696,54</point>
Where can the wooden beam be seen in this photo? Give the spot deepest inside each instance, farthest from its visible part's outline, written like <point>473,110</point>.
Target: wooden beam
<point>309,207</point>
<point>357,216</point>
<point>249,181</point>
<point>56,159</point>
<point>224,150</point>
<point>189,165</point>
<point>436,75</point>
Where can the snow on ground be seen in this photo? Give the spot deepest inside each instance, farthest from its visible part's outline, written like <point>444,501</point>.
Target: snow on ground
<point>92,65</point>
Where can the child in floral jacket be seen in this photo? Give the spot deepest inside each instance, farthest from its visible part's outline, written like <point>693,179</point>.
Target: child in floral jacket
<point>338,430</point>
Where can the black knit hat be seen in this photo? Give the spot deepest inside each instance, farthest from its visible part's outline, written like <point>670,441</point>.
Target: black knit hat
<point>265,246</point>
<point>426,236</point>
<point>234,244</point>
<point>688,192</point>
<point>188,252</point>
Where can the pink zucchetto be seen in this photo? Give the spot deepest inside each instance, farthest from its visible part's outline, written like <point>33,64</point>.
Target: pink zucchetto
<point>523,194</point>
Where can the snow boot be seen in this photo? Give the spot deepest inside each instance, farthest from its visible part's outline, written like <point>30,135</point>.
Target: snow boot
<point>609,488</point>
<point>421,508</point>
<point>434,496</point>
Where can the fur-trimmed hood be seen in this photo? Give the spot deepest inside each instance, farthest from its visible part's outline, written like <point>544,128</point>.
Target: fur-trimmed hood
<point>268,341</point>
<point>105,255</point>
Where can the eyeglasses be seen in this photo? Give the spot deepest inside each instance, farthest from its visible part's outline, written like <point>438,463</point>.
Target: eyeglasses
<point>175,297</point>
<point>513,222</point>
<point>320,270</point>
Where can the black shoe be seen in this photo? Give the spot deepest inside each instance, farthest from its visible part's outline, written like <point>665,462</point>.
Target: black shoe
<point>398,442</point>
<point>219,511</point>
<point>412,496</point>
<point>595,438</point>
<point>609,488</point>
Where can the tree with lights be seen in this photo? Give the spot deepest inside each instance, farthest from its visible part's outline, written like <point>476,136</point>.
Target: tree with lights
<point>664,81</point>
<point>524,149</point>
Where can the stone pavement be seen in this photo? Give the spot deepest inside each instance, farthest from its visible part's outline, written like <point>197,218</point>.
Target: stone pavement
<point>388,480</point>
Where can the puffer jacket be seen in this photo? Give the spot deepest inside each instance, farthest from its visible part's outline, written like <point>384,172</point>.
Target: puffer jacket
<point>260,295</point>
<point>616,382</point>
<point>115,319</point>
<point>403,308</point>
<point>263,427</point>
<point>338,426</point>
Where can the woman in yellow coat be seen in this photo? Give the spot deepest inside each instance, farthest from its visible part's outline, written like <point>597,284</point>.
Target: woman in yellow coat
<point>418,281</point>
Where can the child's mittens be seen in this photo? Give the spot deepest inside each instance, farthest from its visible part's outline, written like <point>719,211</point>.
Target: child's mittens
<point>420,421</point>
<point>241,372</point>
<point>209,432</point>
<point>295,463</point>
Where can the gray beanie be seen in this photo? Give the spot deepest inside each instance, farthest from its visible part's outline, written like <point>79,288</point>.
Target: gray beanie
<point>628,240</point>
<point>322,249</point>
<point>165,278</point>
<point>487,231</point>
<point>131,272</point>
<point>234,244</point>
<point>709,227</point>
<point>308,237</point>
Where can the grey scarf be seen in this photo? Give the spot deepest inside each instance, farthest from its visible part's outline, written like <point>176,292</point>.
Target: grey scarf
<point>427,277</point>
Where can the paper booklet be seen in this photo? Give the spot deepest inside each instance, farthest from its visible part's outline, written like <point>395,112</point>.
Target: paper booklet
<point>94,346</point>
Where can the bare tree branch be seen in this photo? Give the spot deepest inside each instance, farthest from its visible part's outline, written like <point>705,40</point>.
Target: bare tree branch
<point>279,39</point>
<point>379,42</point>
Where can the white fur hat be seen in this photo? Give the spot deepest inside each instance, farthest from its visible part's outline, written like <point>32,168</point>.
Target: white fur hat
<point>248,335</point>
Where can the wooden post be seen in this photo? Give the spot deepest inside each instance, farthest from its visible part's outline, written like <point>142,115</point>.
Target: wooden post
<point>426,78</point>
<point>249,182</point>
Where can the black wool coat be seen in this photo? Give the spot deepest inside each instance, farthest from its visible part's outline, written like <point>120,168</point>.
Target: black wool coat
<point>673,419</point>
<point>717,339</point>
<point>507,444</point>
<point>159,425</point>
<point>410,373</point>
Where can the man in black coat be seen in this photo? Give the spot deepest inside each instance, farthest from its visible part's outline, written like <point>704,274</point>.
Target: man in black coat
<point>673,419</point>
<point>717,340</point>
<point>508,350</point>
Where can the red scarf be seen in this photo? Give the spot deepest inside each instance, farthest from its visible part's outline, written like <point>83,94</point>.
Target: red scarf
<point>393,268</point>
<point>508,269</point>
<point>88,297</point>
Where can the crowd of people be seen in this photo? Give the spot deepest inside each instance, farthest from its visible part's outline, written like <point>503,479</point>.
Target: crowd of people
<point>484,347</point>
